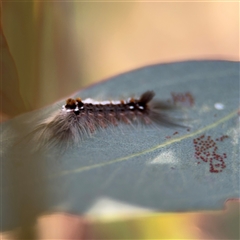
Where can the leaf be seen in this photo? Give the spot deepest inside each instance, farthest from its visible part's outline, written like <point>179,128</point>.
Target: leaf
<point>146,168</point>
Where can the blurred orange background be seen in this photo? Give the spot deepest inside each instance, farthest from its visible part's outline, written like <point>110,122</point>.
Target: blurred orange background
<point>59,47</point>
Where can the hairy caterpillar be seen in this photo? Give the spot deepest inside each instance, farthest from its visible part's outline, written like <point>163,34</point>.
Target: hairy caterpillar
<point>80,118</point>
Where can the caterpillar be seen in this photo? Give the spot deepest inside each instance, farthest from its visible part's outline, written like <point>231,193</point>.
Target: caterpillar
<point>81,118</point>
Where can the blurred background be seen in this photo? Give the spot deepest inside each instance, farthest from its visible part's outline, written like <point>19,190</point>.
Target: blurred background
<point>51,49</point>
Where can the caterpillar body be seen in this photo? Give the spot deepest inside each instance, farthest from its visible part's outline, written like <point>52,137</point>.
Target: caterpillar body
<point>80,118</point>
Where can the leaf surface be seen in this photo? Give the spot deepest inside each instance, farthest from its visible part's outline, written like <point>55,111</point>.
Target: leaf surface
<point>162,169</point>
